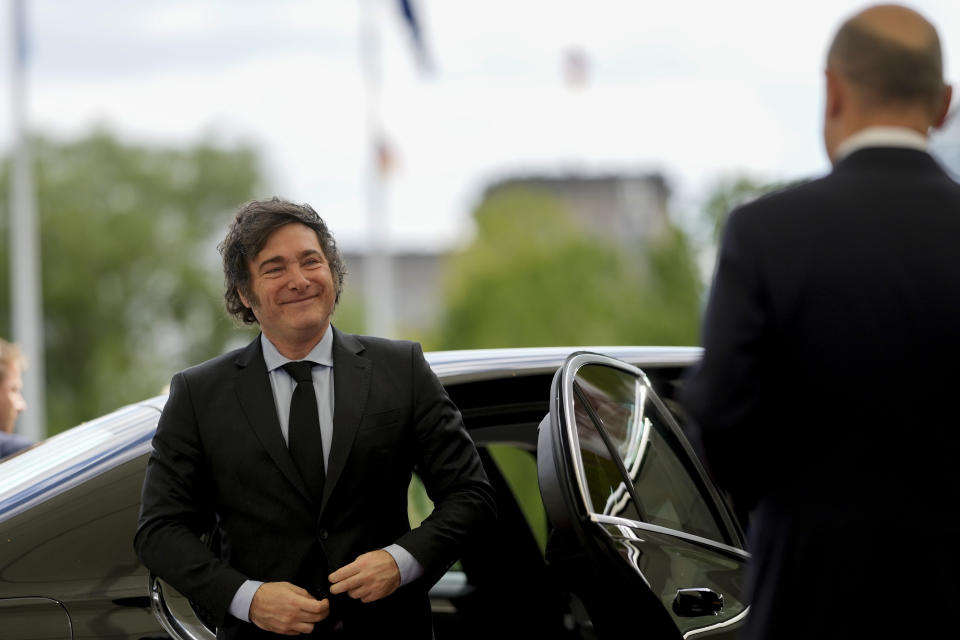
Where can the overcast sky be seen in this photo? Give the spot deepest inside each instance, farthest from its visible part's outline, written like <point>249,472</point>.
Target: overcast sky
<point>696,90</point>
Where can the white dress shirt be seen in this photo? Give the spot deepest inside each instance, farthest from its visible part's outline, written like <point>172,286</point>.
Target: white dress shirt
<point>882,137</point>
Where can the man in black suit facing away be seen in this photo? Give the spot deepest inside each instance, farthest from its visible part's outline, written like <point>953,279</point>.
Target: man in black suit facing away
<point>826,399</point>
<point>302,470</point>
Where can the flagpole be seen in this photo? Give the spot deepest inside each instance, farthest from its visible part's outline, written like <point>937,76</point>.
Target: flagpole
<point>378,287</point>
<point>26,316</point>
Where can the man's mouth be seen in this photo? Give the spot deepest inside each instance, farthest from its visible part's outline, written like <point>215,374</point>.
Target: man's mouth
<point>303,299</point>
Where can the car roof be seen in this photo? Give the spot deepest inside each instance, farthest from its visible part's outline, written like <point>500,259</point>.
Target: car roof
<point>67,459</point>
<point>483,364</point>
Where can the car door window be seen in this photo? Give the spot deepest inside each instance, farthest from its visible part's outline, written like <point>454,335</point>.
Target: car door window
<point>518,466</point>
<point>622,431</point>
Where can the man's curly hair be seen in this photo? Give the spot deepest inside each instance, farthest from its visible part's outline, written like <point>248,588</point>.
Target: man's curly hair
<point>252,226</point>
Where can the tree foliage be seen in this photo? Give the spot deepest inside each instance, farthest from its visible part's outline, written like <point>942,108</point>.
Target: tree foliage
<point>729,193</point>
<point>132,288</point>
<point>533,277</point>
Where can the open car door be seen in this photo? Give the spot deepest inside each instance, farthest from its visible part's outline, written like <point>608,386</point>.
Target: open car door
<point>639,534</point>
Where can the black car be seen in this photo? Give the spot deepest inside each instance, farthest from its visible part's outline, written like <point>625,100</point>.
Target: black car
<point>607,523</point>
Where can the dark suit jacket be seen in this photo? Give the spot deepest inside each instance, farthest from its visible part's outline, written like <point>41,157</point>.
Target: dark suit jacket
<point>220,460</point>
<point>10,443</point>
<point>826,398</point>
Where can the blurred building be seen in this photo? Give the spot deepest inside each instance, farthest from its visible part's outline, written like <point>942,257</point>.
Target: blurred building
<point>631,209</point>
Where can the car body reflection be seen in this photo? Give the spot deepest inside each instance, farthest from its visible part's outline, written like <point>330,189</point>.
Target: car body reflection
<point>69,506</point>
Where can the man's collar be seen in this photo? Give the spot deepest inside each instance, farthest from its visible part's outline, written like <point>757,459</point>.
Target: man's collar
<point>322,352</point>
<point>881,137</point>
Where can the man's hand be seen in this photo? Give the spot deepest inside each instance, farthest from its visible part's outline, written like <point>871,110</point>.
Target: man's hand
<point>371,576</point>
<point>285,608</point>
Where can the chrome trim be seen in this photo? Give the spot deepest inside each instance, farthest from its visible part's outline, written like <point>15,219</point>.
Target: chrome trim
<point>726,623</point>
<point>570,368</point>
<point>617,521</point>
<point>633,553</point>
<point>176,628</point>
<point>569,372</point>
<point>484,364</point>
<point>635,452</point>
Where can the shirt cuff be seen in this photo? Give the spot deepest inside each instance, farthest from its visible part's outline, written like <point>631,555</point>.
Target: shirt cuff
<point>240,605</point>
<point>410,568</point>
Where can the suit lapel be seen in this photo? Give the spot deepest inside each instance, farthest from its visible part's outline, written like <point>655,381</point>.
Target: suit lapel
<point>351,384</point>
<point>252,385</point>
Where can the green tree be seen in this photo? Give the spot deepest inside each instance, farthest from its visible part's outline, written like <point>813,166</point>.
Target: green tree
<point>729,193</point>
<point>533,277</point>
<point>132,288</point>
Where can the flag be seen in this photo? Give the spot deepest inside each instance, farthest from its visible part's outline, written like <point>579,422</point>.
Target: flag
<point>416,34</point>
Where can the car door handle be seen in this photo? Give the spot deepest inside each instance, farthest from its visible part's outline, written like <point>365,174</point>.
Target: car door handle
<point>697,601</point>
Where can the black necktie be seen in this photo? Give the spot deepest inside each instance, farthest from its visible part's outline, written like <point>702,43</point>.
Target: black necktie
<point>305,443</point>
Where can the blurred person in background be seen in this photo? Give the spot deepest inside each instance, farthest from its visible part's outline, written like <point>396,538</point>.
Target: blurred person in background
<point>825,402</point>
<point>311,513</point>
<point>11,398</point>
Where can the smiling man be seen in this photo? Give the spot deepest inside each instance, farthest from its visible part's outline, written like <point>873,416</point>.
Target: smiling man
<point>295,453</point>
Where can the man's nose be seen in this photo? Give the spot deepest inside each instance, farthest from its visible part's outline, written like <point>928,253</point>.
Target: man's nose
<point>298,279</point>
<point>19,403</point>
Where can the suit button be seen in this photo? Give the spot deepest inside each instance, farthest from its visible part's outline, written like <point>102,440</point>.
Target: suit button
<point>323,534</point>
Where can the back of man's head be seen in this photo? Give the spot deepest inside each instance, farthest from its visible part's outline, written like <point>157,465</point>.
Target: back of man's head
<point>891,56</point>
<point>9,355</point>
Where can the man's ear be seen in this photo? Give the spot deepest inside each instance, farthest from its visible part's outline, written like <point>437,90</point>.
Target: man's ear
<point>243,298</point>
<point>836,94</point>
<point>941,115</point>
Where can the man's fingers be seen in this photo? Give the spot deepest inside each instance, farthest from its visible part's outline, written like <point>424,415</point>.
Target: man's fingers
<point>312,610</point>
<point>345,571</point>
<point>281,607</point>
<point>352,586</point>
<point>315,607</point>
<point>365,594</point>
<point>347,577</point>
<point>346,585</point>
<point>371,576</point>
<point>300,591</point>
<point>298,628</point>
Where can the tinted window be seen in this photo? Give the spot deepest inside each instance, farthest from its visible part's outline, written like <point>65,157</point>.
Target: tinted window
<point>519,469</point>
<point>665,482</point>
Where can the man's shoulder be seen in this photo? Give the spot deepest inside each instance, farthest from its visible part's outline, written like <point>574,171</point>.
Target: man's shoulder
<point>388,352</point>
<point>860,179</point>
<point>795,210</point>
<point>216,365</point>
<point>786,198</point>
<point>374,345</point>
